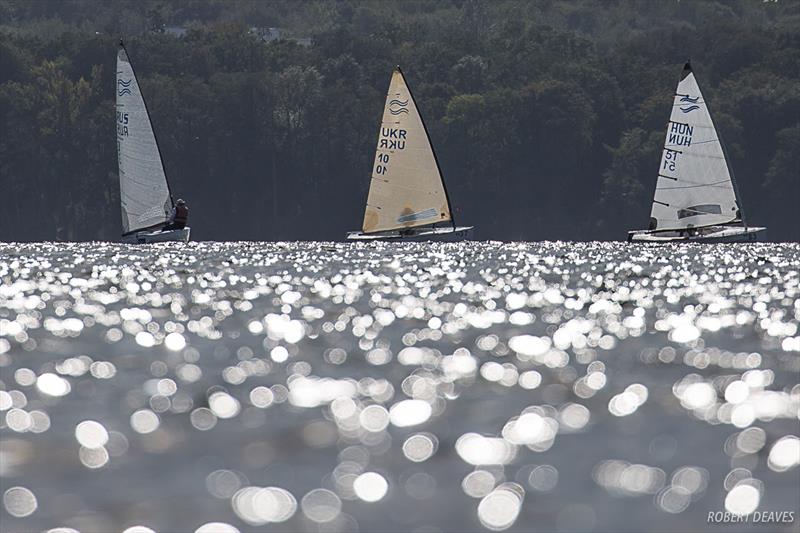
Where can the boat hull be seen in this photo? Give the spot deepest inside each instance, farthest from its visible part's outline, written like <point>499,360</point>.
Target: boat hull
<point>710,235</point>
<point>447,234</point>
<point>148,237</point>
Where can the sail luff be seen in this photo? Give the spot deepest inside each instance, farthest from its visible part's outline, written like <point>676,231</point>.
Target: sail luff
<point>406,189</point>
<point>146,199</point>
<point>694,186</point>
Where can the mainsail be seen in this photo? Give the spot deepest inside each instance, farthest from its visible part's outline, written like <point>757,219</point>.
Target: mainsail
<point>406,190</point>
<point>694,185</point>
<point>145,195</point>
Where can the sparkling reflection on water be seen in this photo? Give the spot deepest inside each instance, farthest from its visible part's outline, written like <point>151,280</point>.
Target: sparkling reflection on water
<point>222,387</point>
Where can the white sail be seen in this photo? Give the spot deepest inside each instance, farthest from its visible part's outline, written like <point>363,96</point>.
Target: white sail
<point>144,192</point>
<point>406,190</point>
<point>694,185</point>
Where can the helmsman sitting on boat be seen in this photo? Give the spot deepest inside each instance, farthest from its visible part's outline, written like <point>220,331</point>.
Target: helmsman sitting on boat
<point>407,198</point>
<point>179,217</point>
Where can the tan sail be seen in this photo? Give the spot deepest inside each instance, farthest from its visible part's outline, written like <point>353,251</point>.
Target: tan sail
<point>406,189</point>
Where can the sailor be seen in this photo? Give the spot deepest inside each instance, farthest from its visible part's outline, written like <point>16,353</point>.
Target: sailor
<point>180,214</point>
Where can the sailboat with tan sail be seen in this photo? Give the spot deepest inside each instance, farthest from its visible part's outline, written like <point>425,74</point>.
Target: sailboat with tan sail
<point>407,196</point>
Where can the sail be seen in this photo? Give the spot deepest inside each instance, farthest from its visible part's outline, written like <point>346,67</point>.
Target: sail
<point>694,185</point>
<point>406,190</point>
<point>144,192</point>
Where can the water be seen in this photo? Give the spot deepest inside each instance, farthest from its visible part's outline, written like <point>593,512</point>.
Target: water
<point>397,387</point>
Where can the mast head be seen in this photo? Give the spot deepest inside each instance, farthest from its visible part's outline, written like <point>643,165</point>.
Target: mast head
<point>687,69</point>
<point>121,43</point>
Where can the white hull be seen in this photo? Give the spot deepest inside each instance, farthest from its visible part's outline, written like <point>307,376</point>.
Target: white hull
<point>459,233</point>
<point>148,237</point>
<point>710,235</point>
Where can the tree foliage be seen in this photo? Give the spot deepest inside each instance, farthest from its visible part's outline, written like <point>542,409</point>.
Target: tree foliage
<point>547,117</point>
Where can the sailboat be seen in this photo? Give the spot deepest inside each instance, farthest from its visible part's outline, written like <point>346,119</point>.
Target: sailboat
<point>407,197</point>
<point>696,198</point>
<point>145,195</point>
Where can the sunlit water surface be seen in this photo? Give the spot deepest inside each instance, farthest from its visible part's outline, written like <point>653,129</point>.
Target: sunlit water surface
<point>223,387</point>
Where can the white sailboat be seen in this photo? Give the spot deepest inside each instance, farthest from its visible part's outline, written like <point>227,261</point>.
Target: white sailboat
<point>407,197</point>
<point>145,196</point>
<point>696,197</point>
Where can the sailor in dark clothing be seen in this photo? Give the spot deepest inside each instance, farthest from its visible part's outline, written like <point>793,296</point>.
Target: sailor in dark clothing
<point>180,214</point>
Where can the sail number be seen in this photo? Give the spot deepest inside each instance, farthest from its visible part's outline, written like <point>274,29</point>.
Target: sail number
<point>670,160</point>
<point>383,160</point>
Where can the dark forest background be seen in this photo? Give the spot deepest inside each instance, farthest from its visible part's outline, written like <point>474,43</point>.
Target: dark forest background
<point>547,117</point>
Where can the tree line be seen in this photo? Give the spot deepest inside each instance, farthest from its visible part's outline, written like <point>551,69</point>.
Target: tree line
<point>547,117</point>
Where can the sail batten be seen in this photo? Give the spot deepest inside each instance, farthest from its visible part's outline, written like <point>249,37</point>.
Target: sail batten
<point>144,193</point>
<point>406,189</point>
<point>694,186</point>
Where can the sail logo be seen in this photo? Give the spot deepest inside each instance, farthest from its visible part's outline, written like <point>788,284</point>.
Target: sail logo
<point>397,107</point>
<point>124,87</point>
<point>419,215</point>
<point>690,108</point>
<point>687,98</point>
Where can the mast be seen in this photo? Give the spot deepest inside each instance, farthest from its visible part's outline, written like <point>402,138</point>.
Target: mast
<point>435,158</point>
<point>147,110</point>
<point>687,68</point>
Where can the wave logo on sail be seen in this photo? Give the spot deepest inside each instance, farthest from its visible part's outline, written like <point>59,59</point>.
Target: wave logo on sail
<point>397,107</point>
<point>124,87</point>
<point>690,108</point>
<point>687,98</point>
